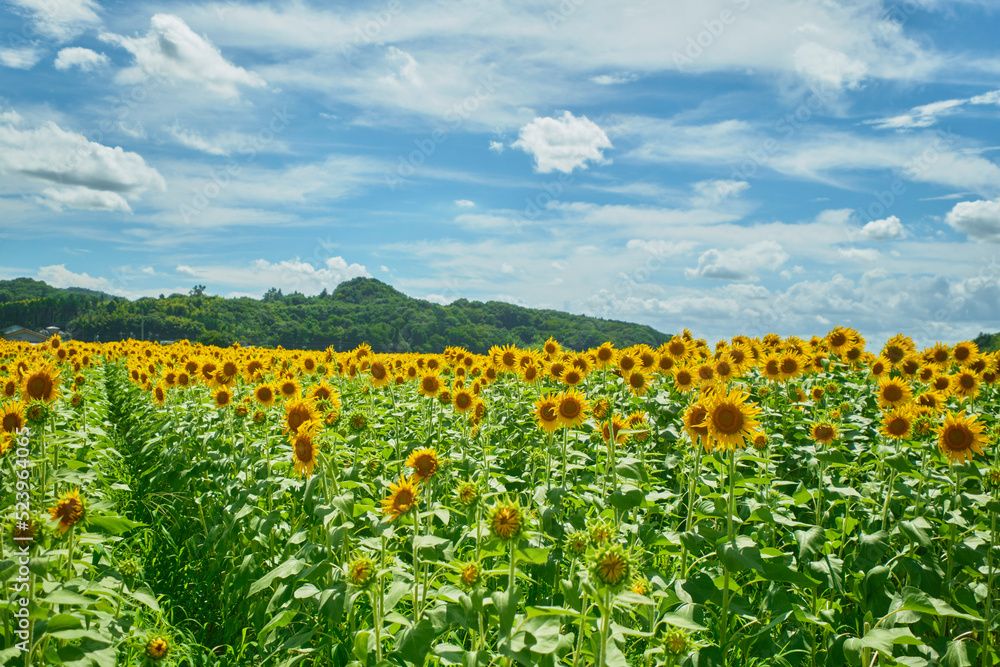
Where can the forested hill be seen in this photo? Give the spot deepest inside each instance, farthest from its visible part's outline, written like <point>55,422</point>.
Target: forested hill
<point>359,310</point>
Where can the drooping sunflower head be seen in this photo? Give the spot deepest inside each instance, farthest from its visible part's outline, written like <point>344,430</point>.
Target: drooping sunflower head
<point>600,408</point>
<point>69,510</point>
<point>424,462</point>
<point>960,436</point>
<point>611,567</point>
<point>402,498</point>
<point>507,520</point>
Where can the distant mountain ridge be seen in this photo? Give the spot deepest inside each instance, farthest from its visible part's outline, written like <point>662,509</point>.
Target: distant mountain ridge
<point>359,310</point>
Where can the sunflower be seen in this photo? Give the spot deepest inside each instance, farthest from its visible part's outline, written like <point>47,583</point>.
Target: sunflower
<point>573,408</point>
<point>467,493</point>
<point>694,420</point>
<point>304,447</point>
<point>638,422</point>
<point>547,412</point>
<point>677,642</point>
<point>8,386</point>
<point>824,432</point>
<point>529,373</point>
<point>964,352</point>
<point>324,392</point>
<point>638,382</point>
<point>402,497</point>
<point>683,379</point>
<point>939,354</point>
<point>361,571</point>
<point>665,363</point>
<point>618,424</point>
<point>612,567</point>
<point>730,419</point>
<point>959,436</point>
<point>893,392</point>
<point>790,365</point>
<point>42,385</point>
<point>965,384</point>
<point>69,510</point>
<point>898,423</point>
<point>507,520</point>
<point>157,649</point>
<point>677,348</point>
<point>725,369</point>
<point>551,347</point>
<point>604,355</point>
<point>760,441</point>
<point>841,339</point>
<point>463,400</point>
<point>12,417</point>
<point>264,394</point>
<point>600,408</point>
<point>430,385</point>
<point>424,463</point>
<point>571,376</point>
<point>576,543</point>
<point>223,397</point>
<point>470,573</point>
<point>380,376</point>
<point>704,372</point>
<point>770,367</point>
<point>298,412</point>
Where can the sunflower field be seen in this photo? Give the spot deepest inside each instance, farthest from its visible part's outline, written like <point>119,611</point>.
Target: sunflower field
<point>771,501</point>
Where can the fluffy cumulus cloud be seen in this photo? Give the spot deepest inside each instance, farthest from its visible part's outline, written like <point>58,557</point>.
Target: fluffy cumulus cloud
<point>172,51</point>
<point>882,230</point>
<point>60,20</point>
<point>563,144</point>
<point>79,173</point>
<point>293,275</point>
<point>980,220</point>
<point>739,263</point>
<point>76,56</point>
<point>57,275</point>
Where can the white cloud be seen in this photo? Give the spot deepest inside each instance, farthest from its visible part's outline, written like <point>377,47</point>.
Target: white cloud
<point>171,50</point>
<point>464,203</point>
<point>403,68</point>
<point>506,269</point>
<point>92,175</point>
<point>708,193</point>
<point>859,254</point>
<point>922,116</point>
<point>148,270</point>
<point>61,20</point>
<point>76,56</point>
<point>384,268</point>
<point>615,79</point>
<point>24,57</point>
<point>980,220</point>
<point>738,263</point>
<point>294,275</point>
<point>660,248</point>
<point>830,67</point>
<point>83,198</point>
<point>497,147</point>
<point>564,143</point>
<point>992,97</point>
<point>58,275</point>
<point>882,230</point>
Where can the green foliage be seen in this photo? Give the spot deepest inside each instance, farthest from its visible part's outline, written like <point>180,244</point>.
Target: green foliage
<point>362,310</point>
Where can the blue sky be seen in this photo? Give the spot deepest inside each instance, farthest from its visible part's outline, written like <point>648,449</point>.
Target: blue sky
<point>731,166</point>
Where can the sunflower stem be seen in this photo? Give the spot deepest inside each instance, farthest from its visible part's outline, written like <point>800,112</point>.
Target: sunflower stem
<point>730,539</point>
<point>584,608</point>
<point>690,503</point>
<point>565,460</point>
<point>513,572</point>
<point>988,616</point>
<point>605,627</point>
<point>416,564</point>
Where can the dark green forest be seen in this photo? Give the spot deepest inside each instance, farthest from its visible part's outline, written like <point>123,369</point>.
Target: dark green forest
<point>362,310</point>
